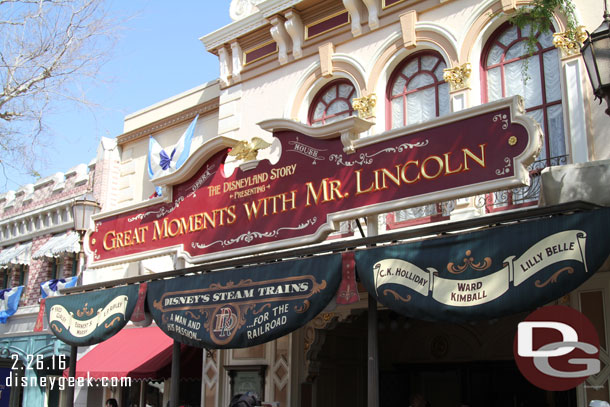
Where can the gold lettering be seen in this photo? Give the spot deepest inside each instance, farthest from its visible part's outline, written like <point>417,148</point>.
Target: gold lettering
<point>440,167</point>
<point>478,160</point>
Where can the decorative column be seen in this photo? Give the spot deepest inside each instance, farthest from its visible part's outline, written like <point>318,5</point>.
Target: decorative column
<point>458,79</point>
<point>576,132</point>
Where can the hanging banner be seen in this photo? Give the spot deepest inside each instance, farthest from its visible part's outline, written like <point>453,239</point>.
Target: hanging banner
<point>296,188</point>
<point>244,307</point>
<point>489,273</point>
<point>89,318</point>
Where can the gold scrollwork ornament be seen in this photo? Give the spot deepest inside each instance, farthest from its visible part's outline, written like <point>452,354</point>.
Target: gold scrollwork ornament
<point>457,77</point>
<point>365,106</point>
<point>570,42</point>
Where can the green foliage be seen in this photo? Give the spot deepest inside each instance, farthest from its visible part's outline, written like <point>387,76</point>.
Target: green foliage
<point>539,14</point>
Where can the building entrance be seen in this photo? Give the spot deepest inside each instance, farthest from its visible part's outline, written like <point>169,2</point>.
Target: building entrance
<point>448,365</point>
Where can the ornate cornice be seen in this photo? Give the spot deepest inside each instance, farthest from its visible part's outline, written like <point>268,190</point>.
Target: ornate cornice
<point>183,116</point>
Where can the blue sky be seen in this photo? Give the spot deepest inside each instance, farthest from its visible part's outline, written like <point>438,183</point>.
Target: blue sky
<point>158,55</point>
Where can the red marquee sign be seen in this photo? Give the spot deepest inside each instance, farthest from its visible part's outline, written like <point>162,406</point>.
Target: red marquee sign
<point>311,178</point>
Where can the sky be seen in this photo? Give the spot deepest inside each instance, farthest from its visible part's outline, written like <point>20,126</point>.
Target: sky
<point>158,55</point>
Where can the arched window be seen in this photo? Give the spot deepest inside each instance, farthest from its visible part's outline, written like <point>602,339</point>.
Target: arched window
<point>502,67</point>
<point>416,91</point>
<point>332,102</point>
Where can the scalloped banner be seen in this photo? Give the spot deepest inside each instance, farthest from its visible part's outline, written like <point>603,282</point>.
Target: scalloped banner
<point>310,184</point>
<point>489,273</point>
<point>90,318</point>
<point>244,307</point>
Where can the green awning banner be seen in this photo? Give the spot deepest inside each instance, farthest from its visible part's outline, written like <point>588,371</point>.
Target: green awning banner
<point>244,307</point>
<point>488,273</point>
<point>92,317</point>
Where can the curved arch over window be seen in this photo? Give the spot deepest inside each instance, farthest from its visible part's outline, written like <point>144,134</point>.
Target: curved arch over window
<point>416,91</point>
<point>502,68</point>
<point>332,102</point>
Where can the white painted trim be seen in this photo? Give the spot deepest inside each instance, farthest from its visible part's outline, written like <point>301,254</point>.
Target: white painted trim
<point>575,119</point>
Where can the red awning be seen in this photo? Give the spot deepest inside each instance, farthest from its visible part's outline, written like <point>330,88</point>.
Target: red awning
<point>139,353</point>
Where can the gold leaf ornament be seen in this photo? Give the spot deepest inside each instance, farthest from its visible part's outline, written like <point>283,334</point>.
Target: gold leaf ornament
<point>248,150</point>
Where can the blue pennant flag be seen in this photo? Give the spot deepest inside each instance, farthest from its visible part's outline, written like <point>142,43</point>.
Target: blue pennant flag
<point>9,302</point>
<point>51,288</point>
<point>161,163</point>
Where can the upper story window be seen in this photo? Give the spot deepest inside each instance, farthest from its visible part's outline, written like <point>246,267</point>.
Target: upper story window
<point>502,65</point>
<point>416,91</point>
<point>332,102</point>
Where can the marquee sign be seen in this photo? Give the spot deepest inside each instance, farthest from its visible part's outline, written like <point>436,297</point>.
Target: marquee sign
<point>89,318</point>
<point>304,181</point>
<point>490,273</point>
<point>244,307</point>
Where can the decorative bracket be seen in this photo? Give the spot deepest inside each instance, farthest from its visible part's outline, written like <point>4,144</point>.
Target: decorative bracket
<point>365,106</point>
<point>570,42</point>
<point>458,77</point>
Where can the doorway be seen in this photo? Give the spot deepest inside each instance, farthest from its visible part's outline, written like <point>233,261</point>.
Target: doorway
<point>450,365</point>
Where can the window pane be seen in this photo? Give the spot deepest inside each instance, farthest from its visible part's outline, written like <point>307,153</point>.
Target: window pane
<point>411,68</point>
<point>398,113</point>
<point>495,55</point>
<point>345,90</point>
<point>509,36</point>
<point>551,76</point>
<point>531,90</point>
<point>399,86</point>
<point>526,32</point>
<point>428,62</point>
<point>330,95</point>
<point>420,81</point>
<point>556,136</point>
<point>443,99</point>
<point>319,112</point>
<point>336,107</point>
<point>546,39</point>
<point>440,71</point>
<point>517,50</point>
<point>421,106</point>
<point>494,84</point>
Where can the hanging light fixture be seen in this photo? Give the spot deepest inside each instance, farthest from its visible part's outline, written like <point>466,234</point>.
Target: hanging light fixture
<point>596,54</point>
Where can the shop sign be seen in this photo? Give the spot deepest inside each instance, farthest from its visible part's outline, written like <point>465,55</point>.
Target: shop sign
<point>244,307</point>
<point>90,318</point>
<point>487,274</point>
<point>311,178</point>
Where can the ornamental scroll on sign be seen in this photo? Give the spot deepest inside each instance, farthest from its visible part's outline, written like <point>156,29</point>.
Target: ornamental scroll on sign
<point>489,273</point>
